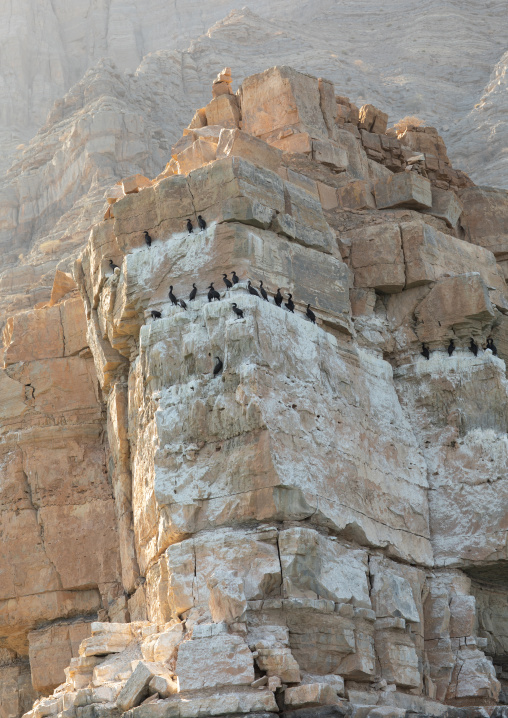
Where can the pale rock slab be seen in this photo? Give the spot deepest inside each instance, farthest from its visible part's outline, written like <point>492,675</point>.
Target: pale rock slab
<point>218,661</point>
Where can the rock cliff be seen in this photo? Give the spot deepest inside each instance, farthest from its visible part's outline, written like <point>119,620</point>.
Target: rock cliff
<point>317,527</point>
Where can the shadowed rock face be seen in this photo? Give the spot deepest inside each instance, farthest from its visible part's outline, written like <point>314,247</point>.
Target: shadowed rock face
<point>327,511</point>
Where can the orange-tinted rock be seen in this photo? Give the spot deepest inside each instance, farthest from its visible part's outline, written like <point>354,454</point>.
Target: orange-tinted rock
<point>223,110</point>
<point>377,258</point>
<point>51,650</point>
<point>281,99</point>
<point>372,119</point>
<point>134,183</point>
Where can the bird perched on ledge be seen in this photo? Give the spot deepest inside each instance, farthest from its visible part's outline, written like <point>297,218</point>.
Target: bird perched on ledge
<point>251,289</point>
<point>238,312</point>
<point>278,298</point>
<point>473,347</point>
<point>425,351</point>
<point>290,305</point>
<point>310,314</point>
<point>234,277</point>
<point>451,347</point>
<point>263,291</point>
<point>491,346</point>
<point>227,281</point>
<point>213,294</point>
<point>182,304</point>
<point>201,223</point>
<point>148,239</point>
<point>113,265</point>
<point>193,293</point>
<point>155,314</point>
<point>174,300</point>
<point>218,367</point>
<point>189,227</point>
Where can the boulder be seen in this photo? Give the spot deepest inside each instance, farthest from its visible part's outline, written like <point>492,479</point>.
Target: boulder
<point>223,110</point>
<point>356,195</point>
<point>282,101</point>
<point>461,303</point>
<point>372,119</point>
<point>485,218</point>
<point>236,143</point>
<point>404,189</point>
<point>310,694</point>
<point>134,183</point>
<point>376,257</point>
<point>445,205</point>
<point>221,660</point>
<point>199,153</point>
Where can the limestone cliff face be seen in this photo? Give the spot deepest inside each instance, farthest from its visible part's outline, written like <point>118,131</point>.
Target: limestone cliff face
<point>320,527</point>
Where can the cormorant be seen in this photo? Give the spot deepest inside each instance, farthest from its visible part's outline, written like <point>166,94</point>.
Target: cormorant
<point>213,293</point>
<point>310,314</point>
<point>491,346</point>
<point>451,347</point>
<point>201,222</point>
<point>473,347</point>
<point>182,304</point>
<point>238,312</point>
<point>290,305</point>
<point>425,351</point>
<point>278,298</point>
<point>148,239</point>
<point>174,300</point>
<point>113,265</point>
<point>251,289</point>
<point>155,314</point>
<point>189,227</point>
<point>227,282</point>
<point>263,291</point>
<point>193,293</point>
<point>234,277</point>
<point>218,367</point>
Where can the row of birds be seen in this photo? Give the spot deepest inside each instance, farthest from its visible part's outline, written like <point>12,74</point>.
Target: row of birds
<point>148,239</point>
<point>473,348</point>
<point>213,295</point>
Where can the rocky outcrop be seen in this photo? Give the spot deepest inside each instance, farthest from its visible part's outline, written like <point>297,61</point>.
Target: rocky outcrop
<point>316,528</point>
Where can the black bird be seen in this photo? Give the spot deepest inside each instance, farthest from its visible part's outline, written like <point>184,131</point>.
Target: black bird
<point>451,347</point>
<point>193,293</point>
<point>425,351</point>
<point>238,312</point>
<point>148,239</point>
<point>213,293</point>
<point>155,314</point>
<point>263,291</point>
<point>182,304</point>
<point>201,222</point>
<point>113,265</point>
<point>174,300</point>
<point>218,367</point>
<point>189,227</point>
<point>227,282</point>
<point>491,346</point>
<point>251,289</point>
<point>290,305</point>
<point>473,347</point>
<point>234,277</point>
<point>310,314</point>
<point>278,298</point>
